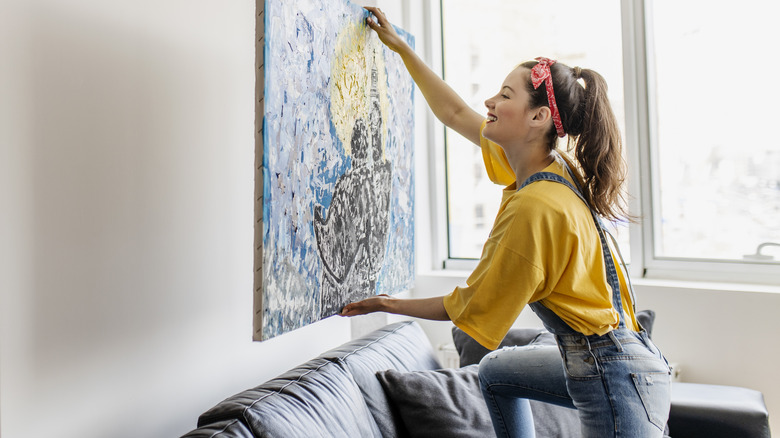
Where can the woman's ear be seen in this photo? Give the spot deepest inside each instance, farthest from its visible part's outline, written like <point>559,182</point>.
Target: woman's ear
<point>541,116</point>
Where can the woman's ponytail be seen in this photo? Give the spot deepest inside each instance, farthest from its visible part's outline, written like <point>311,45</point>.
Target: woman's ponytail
<point>593,135</point>
<point>598,150</point>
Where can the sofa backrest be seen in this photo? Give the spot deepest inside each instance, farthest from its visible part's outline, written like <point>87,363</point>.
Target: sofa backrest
<point>403,347</point>
<point>317,399</point>
<point>335,394</point>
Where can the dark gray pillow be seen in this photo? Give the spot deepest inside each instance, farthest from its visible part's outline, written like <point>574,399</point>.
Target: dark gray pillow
<point>449,403</point>
<point>646,318</point>
<point>439,403</point>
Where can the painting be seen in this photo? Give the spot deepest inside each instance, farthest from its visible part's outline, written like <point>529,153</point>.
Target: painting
<point>334,169</point>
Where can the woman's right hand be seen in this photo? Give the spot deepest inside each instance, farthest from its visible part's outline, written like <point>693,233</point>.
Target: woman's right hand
<point>369,305</point>
<point>384,29</point>
<point>426,308</point>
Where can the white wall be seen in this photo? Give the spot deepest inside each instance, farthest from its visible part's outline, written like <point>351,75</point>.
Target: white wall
<point>126,193</point>
<point>126,180</point>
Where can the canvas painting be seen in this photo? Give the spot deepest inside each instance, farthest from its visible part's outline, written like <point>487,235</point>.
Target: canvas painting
<point>335,199</point>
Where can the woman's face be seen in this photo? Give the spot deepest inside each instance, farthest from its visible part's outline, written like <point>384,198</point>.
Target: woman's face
<point>508,111</point>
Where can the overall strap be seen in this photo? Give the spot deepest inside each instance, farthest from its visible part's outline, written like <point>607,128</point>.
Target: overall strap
<point>609,262</point>
<point>605,230</point>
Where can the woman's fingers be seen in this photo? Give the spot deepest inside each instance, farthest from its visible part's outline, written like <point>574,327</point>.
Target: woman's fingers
<point>379,20</point>
<point>354,309</point>
<point>369,305</point>
<point>381,25</point>
<point>380,16</point>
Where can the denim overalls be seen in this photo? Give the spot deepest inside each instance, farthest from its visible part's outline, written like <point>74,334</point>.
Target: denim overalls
<point>619,382</point>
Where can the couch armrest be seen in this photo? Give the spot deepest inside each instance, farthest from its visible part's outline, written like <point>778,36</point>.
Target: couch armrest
<point>715,411</point>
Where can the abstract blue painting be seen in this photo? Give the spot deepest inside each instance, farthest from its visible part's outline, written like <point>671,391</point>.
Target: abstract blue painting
<point>337,165</point>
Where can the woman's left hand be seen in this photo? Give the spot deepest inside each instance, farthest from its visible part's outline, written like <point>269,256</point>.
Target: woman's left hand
<point>384,29</point>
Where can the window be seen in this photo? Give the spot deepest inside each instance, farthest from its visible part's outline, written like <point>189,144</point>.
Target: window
<point>692,84</point>
<point>717,164</point>
<point>481,45</point>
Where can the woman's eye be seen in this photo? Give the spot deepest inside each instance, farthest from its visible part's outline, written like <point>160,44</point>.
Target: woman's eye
<point>505,96</point>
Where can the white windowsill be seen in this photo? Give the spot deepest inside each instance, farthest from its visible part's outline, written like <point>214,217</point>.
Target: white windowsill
<point>462,274</point>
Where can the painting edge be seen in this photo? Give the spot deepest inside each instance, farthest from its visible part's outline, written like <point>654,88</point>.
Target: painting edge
<point>257,320</point>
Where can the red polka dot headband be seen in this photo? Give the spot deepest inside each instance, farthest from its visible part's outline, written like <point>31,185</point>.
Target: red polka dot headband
<point>541,73</point>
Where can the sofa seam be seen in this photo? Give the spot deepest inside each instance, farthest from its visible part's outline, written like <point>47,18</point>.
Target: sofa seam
<point>224,428</point>
<point>341,359</point>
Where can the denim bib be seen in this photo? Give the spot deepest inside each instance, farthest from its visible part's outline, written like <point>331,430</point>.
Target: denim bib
<point>551,321</point>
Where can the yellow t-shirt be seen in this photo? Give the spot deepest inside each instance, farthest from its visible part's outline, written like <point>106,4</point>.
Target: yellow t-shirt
<point>543,247</point>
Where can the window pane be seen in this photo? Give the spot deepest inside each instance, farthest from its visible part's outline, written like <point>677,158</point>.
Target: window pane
<point>483,42</point>
<point>718,162</point>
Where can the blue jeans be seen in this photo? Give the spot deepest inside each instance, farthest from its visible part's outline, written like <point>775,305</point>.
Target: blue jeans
<point>618,382</point>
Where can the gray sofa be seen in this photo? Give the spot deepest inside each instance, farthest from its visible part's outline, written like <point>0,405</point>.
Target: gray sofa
<point>386,384</point>
<point>389,384</point>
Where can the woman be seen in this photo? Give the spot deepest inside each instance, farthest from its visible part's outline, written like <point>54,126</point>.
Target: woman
<point>547,249</point>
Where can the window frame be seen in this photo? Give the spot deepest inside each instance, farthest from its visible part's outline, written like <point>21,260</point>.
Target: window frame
<point>641,151</point>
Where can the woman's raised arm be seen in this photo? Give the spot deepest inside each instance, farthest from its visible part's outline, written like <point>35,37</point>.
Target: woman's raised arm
<point>446,105</point>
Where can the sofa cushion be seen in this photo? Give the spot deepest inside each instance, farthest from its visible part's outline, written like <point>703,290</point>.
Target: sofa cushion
<point>317,399</point>
<point>401,346</point>
<point>439,403</point>
<point>552,421</point>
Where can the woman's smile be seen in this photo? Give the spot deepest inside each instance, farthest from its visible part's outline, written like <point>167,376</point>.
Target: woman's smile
<point>509,107</point>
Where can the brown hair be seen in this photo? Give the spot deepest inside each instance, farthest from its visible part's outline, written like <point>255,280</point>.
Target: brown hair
<point>593,135</point>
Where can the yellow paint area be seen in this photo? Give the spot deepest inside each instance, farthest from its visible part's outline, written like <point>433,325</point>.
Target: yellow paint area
<point>358,50</point>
